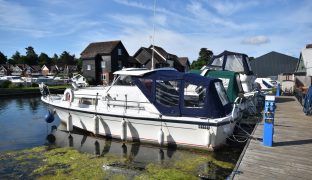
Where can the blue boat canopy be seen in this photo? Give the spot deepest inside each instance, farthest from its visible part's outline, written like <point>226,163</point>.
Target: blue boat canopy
<point>184,94</point>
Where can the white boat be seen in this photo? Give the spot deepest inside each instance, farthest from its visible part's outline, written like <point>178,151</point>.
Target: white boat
<point>266,84</point>
<point>14,79</point>
<point>237,62</point>
<point>152,106</point>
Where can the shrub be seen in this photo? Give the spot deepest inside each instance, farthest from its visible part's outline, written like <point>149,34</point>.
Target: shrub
<point>6,84</point>
<point>34,85</point>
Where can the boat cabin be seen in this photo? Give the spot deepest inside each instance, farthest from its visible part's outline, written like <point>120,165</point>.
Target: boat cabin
<point>169,91</point>
<point>231,61</point>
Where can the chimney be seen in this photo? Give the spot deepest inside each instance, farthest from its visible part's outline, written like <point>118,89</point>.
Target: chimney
<point>309,46</point>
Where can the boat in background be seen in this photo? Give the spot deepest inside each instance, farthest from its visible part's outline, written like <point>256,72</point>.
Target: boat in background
<point>237,62</point>
<point>155,106</point>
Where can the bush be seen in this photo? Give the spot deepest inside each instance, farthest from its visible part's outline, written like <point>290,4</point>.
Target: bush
<point>12,85</point>
<point>6,84</point>
<point>34,85</point>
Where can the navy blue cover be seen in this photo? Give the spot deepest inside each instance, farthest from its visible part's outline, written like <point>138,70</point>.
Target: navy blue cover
<point>213,107</point>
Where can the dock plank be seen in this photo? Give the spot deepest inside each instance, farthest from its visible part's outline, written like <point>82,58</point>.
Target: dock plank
<point>290,156</point>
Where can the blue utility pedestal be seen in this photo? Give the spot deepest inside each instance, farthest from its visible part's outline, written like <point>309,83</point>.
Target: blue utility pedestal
<point>268,115</point>
<point>278,90</point>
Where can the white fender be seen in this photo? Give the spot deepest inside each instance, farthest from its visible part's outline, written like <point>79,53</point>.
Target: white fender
<point>161,137</point>
<point>68,95</point>
<point>96,125</point>
<point>69,123</point>
<point>123,135</point>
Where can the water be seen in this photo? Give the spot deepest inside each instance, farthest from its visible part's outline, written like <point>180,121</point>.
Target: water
<point>23,126</point>
<point>22,123</point>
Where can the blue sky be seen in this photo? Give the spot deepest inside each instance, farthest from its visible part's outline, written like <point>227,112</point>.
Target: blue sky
<point>182,27</point>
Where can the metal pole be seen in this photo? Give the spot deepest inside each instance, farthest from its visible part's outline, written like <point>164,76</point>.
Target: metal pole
<point>153,36</point>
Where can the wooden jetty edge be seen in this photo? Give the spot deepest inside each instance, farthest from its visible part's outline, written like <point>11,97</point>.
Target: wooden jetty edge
<point>291,154</point>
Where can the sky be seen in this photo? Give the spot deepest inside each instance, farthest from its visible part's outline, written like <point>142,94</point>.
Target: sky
<point>182,27</point>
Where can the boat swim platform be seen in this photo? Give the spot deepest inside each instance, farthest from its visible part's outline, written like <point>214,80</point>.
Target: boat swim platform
<point>290,157</point>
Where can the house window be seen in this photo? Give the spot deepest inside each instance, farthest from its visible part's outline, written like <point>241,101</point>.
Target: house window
<point>103,64</point>
<point>119,52</point>
<point>170,62</point>
<point>119,64</point>
<point>89,67</point>
<point>103,77</point>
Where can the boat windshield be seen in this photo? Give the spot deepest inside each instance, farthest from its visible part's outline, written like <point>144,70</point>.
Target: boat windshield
<point>124,81</point>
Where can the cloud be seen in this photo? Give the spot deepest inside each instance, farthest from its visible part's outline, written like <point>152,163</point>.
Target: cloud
<point>205,18</point>
<point>135,20</point>
<point>256,40</point>
<point>227,7</point>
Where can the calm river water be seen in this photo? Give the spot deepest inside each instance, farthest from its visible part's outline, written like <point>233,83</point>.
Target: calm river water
<point>23,126</point>
<point>22,123</point>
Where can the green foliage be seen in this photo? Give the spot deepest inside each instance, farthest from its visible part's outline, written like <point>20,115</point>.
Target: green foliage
<point>66,58</point>
<point>16,58</point>
<point>3,58</point>
<point>34,85</point>
<point>6,84</point>
<point>44,59</point>
<point>204,58</point>
<point>31,57</point>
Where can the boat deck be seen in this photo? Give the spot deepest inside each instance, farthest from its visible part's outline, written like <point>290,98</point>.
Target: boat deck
<point>291,154</point>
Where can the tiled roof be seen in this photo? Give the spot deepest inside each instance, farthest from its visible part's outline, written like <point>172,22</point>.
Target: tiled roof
<point>96,48</point>
<point>184,61</point>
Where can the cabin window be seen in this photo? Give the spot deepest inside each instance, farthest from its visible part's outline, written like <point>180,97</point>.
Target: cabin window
<point>225,82</point>
<point>87,101</point>
<point>218,62</point>
<point>167,93</point>
<point>234,63</point>
<point>89,67</point>
<point>125,81</point>
<point>147,83</point>
<point>221,93</point>
<point>194,95</point>
<point>238,81</point>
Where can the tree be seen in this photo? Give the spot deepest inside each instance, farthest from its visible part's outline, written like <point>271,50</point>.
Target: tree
<point>31,56</point>
<point>44,59</point>
<point>204,58</point>
<point>55,59</point>
<point>3,58</point>
<point>16,58</point>
<point>66,58</point>
<point>79,64</point>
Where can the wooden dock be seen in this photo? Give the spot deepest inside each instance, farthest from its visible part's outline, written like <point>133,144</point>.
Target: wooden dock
<point>291,154</point>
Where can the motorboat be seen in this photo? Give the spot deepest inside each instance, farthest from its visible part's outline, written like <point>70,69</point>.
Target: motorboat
<point>234,90</point>
<point>150,106</point>
<point>237,62</point>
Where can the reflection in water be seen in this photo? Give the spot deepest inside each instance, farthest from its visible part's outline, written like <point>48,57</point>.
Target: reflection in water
<point>22,123</point>
<point>134,151</point>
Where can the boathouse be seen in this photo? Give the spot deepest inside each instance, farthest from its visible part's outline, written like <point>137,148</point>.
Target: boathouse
<point>101,59</point>
<point>273,64</point>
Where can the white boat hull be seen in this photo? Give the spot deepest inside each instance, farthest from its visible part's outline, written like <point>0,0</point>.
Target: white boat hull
<point>177,133</point>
